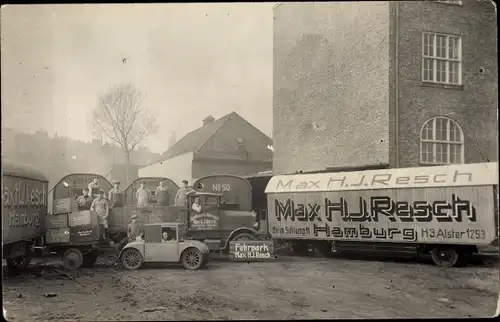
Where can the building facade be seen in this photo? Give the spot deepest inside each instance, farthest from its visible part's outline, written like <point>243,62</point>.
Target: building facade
<point>58,156</point>
<point>396,84</point>
<point>228,145</point>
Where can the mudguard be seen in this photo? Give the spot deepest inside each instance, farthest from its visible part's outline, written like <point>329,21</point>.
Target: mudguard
<point>238,231</point>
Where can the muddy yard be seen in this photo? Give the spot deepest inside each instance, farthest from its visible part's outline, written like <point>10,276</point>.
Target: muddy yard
<point>288,288</point>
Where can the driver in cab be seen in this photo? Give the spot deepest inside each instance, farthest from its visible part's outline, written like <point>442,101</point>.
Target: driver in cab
<point>197,205</point>
<point>167,235</point>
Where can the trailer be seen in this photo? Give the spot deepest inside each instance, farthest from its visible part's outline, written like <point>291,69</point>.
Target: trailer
<point>449,212</point>
<point>24,206</point>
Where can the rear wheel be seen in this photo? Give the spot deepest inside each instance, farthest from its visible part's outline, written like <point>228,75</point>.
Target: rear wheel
<point>192,258</point>
<point>301,248</point>
<point>72,259</point>
<point>19,263</point>
<point>325,248</point>
<point>131,258</point>
<point>444,256</point>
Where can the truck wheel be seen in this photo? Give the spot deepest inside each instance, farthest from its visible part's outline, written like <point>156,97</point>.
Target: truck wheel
<point>300,248</point>
<point>72,259</point>
<point>131,258</point>
<point>243,236</point>
<point>20,263</point>
<point>444,256</point>
<point>192,258</point>
<point>89,259</point>
<point>325,248</point>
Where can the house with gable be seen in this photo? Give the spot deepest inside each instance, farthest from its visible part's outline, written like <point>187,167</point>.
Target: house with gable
<point>228,145</point>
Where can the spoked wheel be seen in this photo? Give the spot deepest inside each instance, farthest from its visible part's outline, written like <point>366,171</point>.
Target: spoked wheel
<point>20,263</point>
<point>444,257</point>
<point>72,259</point>
<point>89,259</point>
<point>131,258</point>
<point>192,258</point>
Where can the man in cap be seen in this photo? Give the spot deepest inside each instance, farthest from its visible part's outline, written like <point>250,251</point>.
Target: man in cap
<point>142,195</point>
<point>111,194</point>
<point>101,206</point>
<point>133,230</point>
<point>162,194</point>
<point>181,196</point>
<point>85,201</point>
<point>94,187</point>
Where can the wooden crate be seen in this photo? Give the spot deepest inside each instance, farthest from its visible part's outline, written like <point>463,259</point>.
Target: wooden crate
<point>57,236</point>
<point>56,221</point>
<point>83,218</point>
<point>65,206</point>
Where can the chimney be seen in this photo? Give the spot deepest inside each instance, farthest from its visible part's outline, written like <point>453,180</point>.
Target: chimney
<point>209,119</point>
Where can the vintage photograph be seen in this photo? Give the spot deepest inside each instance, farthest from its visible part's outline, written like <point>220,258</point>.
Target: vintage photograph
<point>264,160</point>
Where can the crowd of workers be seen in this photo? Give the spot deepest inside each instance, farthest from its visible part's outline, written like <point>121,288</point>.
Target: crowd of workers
<point>94,199</point>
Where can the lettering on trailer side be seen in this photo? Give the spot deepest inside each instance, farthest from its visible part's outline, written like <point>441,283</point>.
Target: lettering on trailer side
<point>372,208</point>
<point>23,193</point>
<point>379,180</point>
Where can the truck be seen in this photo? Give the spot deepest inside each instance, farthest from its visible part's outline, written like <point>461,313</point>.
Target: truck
<point>449,212</point>
<point>224,218</point>
<point>24,207</point>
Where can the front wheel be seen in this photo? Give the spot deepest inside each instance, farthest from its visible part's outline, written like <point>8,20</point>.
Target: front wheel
<point>444,256</point>
<point>243,236</point>
<point>72,259</point>
<point>131,258</point>
<point>192,259</point>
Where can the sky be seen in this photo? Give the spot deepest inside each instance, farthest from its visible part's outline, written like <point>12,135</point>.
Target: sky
<point>190,60</point>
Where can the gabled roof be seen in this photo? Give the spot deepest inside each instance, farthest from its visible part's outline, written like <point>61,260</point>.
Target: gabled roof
<point>193,141</point>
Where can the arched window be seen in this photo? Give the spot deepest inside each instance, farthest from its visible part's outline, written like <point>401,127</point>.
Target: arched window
<point>441,142</point>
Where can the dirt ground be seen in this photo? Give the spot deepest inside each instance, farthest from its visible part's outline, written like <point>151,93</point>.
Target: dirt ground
<point>287,288</point>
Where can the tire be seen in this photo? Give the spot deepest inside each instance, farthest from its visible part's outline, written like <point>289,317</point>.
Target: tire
<point>445,257</point>
<point>89,259</point>
<point>131,258</point>
<point>20,263</point>
<point>300,248</point>
<point>72,259</point>
<point>244,236</point>
<point>192,258</point>
<point>325,249</point>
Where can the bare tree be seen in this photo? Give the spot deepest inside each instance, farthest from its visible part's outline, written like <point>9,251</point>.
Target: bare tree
<point>120,118</point>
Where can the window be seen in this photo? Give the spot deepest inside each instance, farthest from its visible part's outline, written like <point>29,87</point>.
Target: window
<point>455,2</point>
<point>441,142</point>
<point>441,59</point>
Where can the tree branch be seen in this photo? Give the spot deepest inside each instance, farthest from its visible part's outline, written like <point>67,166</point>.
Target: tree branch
<point>121,119</point>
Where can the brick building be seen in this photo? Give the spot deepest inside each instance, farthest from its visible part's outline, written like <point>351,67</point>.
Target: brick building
<point>228,145</point>
<point>402,84</point>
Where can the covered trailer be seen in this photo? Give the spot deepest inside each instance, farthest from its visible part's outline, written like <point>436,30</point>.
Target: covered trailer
<point>449,211</point>
<point>24,207</point>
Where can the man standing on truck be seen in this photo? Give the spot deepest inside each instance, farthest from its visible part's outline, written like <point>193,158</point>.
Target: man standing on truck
<point>111,194</point>
<point>142,195</point>
<point>101,206</point>
<point>162,194</point>
<point>181,196</point>
<point>94,187</point>
<point>133,229</point>
<point>85,201</point>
